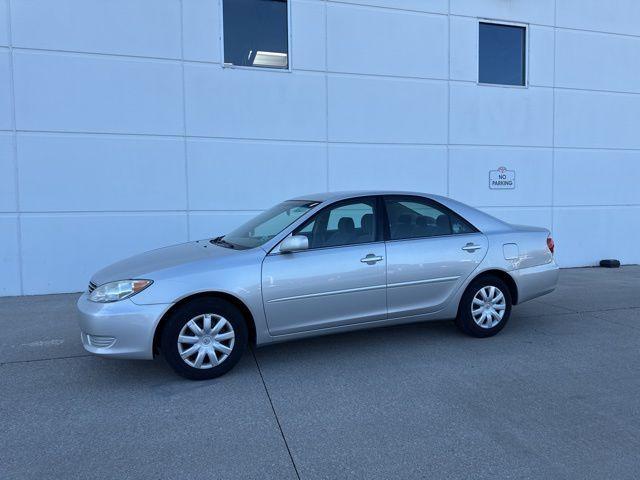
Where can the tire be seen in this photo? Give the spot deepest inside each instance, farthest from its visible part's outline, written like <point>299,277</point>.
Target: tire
<point>481,326</point>
<point>202,350</point>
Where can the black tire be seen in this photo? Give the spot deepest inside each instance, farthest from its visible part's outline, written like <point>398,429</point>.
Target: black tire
<point>195,309</point>
<point>465,320</point>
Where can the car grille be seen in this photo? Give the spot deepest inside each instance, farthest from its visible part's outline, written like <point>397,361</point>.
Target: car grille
<point>92,287</point>
<point>100,341</point>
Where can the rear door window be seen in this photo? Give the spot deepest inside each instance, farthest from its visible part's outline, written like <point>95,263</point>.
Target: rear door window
<point>412,217</point>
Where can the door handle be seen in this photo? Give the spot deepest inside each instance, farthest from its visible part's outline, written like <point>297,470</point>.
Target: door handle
<point>371,259</point>
<point>471,247</point>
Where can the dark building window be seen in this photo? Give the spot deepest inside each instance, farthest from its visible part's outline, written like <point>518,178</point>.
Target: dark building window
<point>256,33</point>
<point>502,58</point>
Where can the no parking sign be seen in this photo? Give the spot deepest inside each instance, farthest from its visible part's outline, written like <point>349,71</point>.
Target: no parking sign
<point>502,179</point>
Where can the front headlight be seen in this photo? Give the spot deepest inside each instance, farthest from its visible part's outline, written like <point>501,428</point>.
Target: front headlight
<point>115,291</point>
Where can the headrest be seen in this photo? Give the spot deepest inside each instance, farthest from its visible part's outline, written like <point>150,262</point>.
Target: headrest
<point>423,221</point>
<point>366,223</point>
<point>443,221</point>
<point>346,225</point>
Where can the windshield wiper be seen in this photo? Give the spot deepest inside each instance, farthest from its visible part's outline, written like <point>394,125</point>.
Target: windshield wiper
<point>222,242</point>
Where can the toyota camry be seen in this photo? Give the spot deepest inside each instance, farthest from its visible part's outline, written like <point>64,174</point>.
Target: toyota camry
<point>315,265</point>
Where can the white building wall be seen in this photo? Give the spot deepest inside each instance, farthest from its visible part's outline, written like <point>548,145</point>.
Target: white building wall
<point>120,130</point>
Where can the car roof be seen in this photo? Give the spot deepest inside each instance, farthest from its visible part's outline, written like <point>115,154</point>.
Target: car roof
<point>332,196</point>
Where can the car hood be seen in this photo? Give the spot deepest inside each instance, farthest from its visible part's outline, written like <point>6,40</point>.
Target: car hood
<point>145,265</point>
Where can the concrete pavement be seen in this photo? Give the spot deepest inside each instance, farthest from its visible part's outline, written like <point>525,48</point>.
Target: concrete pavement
<point>555,395</point>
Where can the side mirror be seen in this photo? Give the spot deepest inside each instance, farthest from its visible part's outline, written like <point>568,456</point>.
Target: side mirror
<point>294,244</point>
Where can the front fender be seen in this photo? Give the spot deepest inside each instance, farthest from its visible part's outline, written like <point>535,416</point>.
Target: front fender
<point>240,279</point>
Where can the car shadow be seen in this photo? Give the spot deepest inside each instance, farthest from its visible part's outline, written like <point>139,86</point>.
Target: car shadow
<point>414,335</point>
<point>158,375</point>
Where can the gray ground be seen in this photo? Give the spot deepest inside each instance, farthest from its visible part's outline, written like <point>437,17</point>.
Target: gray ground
<point>555,395</point>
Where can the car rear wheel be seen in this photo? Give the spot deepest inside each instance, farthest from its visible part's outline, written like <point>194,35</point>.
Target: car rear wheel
<point>204,338</point>
<point>485,307</point>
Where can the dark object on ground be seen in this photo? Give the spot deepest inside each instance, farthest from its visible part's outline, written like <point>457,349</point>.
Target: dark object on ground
<point>610,263</point>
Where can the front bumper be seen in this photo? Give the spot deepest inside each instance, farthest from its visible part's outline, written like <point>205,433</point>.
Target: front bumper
<point>119,329</point>
<point>536,281</point>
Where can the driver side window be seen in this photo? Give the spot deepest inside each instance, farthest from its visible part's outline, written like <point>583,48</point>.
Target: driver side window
<point>346,223</point>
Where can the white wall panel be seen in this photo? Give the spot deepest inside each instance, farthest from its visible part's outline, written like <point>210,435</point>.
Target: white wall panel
<point>101,173</point>
<point>380,110</point>
<point>597,119</point>
<point>539,11</point>
<point>584,236</point>
<point>6,122</point>
<point>100,119</point>
<point>4,22</point>
<point>9,256</point>
<point>388,167</point>
<point>464,48</point>
<point>469,175</point>
<point>619,16</point>
<point>201,30</point>
<point>130,27</point>
<point>489,115</point>
<point>213,224</point>
<point>8,195</point>
<point>541,47</point>
<point>612,177</point>
<point>597,61</point>
<point>61,252</point>
<point>386,42</point>
<point>308,22</point>
<point>236,175</point>
<point>241,103</point>
<point>80,93</point>
<point>434,6</point>
<point>534,216</point>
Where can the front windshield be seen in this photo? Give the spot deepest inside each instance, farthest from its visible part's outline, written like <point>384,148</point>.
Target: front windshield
<point>268,224</point>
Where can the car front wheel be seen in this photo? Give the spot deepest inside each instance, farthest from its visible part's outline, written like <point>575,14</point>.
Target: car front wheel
<point>485,307</point>
<point>204,338</point>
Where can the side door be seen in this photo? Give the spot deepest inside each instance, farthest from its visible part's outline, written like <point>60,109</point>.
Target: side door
<point>430,252</point>
<point>339,280</point>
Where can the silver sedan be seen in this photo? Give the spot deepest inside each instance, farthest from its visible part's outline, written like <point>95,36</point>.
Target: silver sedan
<point>319,264</point>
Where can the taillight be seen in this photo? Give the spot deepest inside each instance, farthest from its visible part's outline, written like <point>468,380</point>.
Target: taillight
<point>551,245</point>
